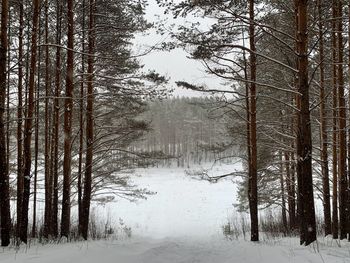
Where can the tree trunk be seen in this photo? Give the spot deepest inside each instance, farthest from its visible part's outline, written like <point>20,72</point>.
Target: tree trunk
<point>36,145</point>
<point>323,130</point>
<point>68,108</point>
<point>56,121</point>
<point>306,206</point>
<point>36,138</point>
<point>89,123</point>
<point>342,130</point>
<point>48,177</point>
<point>335,227</point>
<point>253,189</point>
<point>20,120</point>
<point>28,124</point>
<point>8,116</point>
<point>81,126</point>
<point>4,177</point>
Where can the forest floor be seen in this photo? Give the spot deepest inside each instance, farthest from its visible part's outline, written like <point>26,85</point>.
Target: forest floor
<point>182,223</point>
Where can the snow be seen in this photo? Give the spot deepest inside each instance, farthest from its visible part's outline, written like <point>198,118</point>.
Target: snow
<point>180,224</point>
<point>141,250</point>
<point>183,206</point>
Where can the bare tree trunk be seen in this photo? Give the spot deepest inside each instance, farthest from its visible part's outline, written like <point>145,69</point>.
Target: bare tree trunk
<point>4,177</point>
<point>323,130</point>
<point>81,126</point>
<point>342,130</point>
<point>89,124</point>
<point>56,121</point>
<point>253,177</point>
<point>20,119</point>
<point>28,124</point>
<point>68,108</point>
<point>48,177</point>
<point>306,206</point>
<point>36,138</point>
<point>8,135</point>
<point>335,227</point>
<point>27,68</point>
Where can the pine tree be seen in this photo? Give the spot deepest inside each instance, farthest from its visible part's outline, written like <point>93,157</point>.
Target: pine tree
<point>68,113</point>
<point>5,219</point>
<point>306,207</point>
<point>253,173</point>
<point>323,129</point>
<point>28,125</point>
<point>89,123</point>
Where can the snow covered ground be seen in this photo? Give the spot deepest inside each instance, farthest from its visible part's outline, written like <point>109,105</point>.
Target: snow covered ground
<point>175,250</point>
<point>182,206</point>
<point>180,224</point>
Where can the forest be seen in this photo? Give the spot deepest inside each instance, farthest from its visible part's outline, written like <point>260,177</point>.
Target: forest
<point>79,112</point>
<point>190,131</point>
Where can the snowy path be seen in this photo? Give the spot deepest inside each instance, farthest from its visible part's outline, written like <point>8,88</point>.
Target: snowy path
<point>177,251</point>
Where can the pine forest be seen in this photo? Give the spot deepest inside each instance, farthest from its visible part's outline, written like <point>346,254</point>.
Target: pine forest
<point>96,126</point>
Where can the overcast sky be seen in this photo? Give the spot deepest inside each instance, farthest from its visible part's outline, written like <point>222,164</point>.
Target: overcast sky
<point>174,64</point>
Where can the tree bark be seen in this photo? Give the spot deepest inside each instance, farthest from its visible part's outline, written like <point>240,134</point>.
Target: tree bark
<point>56,122</point>
<point>335,223</point>
<point>323,130</point>
<point>342,130</point>
<point>68,109</point>
<point>8,115</point>
<point>89,123</point>
<point>36,138</point>
<point>4,177</point>
<point>306,206</point>
<point>253,189</point>
<point>81,125</point>
<point>28,125</point>
<point>20,119</point>
<point>48,176</point>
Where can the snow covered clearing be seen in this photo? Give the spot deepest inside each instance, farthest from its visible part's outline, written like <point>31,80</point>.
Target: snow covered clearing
<point>182,206</point>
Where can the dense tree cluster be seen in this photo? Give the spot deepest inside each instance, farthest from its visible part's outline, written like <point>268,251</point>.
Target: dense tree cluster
<point>71,91</point>
<point>285,65</point>
<point>190,131</point>
<point>73,99</point>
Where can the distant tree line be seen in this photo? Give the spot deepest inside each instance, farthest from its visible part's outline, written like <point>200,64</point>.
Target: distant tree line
<point>187,130</point>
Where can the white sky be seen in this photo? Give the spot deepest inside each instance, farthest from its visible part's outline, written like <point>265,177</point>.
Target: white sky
<point>174,64</point>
